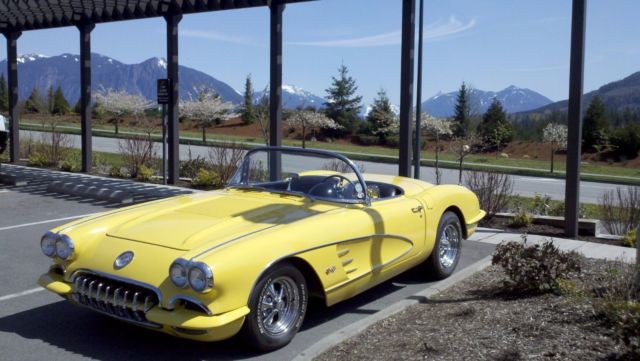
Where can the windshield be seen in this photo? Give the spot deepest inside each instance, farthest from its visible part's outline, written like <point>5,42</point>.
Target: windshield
<point>311,173</point>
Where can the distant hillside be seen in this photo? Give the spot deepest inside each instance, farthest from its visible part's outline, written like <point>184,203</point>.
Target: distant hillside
<point>616,95</point>
<point>63,70</point>
<point>513,100</point>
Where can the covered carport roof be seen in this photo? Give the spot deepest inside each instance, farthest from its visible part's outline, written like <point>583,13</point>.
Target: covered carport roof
<point>20,15</point>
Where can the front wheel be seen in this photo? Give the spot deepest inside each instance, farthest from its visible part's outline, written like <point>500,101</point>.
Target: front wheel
<point>278,304</point>
<point>446,252</point>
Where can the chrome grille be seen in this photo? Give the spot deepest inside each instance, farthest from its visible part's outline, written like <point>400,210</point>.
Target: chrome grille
<point>116,298</point>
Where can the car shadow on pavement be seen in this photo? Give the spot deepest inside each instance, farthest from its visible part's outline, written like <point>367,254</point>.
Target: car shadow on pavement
<point>96,336</point>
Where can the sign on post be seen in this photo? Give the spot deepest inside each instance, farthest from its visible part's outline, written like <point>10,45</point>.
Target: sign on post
<point>164,91</point>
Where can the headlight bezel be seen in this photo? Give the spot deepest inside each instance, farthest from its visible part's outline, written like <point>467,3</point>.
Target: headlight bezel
<point>206,272</point>
<point>58,246</point>
<point>65,241</point>
<point>51,238</point>
<point>184,264</point>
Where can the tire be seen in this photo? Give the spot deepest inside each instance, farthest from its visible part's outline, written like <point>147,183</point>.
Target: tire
<point>446,252</point>
<point>278,304</point>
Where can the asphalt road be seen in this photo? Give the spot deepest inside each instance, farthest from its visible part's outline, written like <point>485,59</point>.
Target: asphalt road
<point>37,325</point>
<point>526,186</point>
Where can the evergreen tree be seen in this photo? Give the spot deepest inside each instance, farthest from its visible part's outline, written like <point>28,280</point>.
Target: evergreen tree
<point>4,94</point>
<point>595,127</point>
<point>342,104</point>
<point>50,100</point>
<point>462,115</point>
<point>60,103</point>
<point>495,130</point>
<point>78,107</point>
<point>381,118</point>
<point>35,103</point>
<point>248,109</point>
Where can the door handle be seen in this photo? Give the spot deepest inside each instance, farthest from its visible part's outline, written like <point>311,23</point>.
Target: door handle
<point>416,209</point>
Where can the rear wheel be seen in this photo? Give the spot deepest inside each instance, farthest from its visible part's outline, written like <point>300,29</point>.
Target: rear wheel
<point>446,252</point>
<point>278,304</point>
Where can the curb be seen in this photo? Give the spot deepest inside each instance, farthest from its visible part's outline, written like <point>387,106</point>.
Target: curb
<point>358,327</point>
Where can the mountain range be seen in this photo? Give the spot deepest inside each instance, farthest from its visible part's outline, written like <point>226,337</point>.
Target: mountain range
<point>616,95</point>
<point>513,100</point>
<point>294,97</point>
<point>42,71</point>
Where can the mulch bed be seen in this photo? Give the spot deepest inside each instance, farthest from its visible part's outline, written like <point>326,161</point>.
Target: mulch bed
<point>474,320</point>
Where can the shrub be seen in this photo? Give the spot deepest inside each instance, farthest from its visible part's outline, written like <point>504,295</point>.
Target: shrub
<point>541,204</point>
<point>116,172</point>
<point>521,219</point>
<point>620,210</point>
<point>145,173</point>
<point>206,179</point>
<point>37,159</point>
<point>618,302</point>
<point>67,165</point>
<point>493,190</point>
<point>630,238</point>
<point>189,168</point>
<point>137,151</point>
<point>225,160</point>
<point>557,209</point>
<point>536,268</point>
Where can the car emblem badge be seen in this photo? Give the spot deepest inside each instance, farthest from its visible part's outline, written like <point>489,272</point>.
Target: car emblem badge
<point>123,260</point>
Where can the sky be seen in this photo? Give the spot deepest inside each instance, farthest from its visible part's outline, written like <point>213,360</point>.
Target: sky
<point>489,44</point>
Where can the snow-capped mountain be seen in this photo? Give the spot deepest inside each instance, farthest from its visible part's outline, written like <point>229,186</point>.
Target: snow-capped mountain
<point>366,110</point>
<point>41,72</point>
<point>513,100</point>
<point>294,97</point>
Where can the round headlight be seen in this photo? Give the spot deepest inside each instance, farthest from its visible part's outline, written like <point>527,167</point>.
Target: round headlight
<point>48,244</point>
<point>200,277</point>
<point>178,273</point>
<point>64,247</point>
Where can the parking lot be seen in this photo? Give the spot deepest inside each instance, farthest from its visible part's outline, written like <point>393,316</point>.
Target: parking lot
<point>37,325</point>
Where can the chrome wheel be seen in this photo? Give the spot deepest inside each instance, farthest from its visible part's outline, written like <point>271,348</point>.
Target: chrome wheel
<point>279,307</point>
<point>449,245</point>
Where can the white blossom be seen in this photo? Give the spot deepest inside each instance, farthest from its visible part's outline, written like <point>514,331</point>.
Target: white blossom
<point>209,109</point>
<point>120,103</point>
<point>556,135</point>
<point>435,126</point>
<point>312,120</point>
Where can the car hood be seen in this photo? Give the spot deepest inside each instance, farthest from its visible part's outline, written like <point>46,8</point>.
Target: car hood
<point>211,219</point>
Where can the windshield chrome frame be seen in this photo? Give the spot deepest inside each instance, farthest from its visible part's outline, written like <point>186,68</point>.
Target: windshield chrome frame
<point>302,151</point>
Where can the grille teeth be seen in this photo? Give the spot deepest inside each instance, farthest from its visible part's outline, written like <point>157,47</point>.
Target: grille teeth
<point>115,298</point>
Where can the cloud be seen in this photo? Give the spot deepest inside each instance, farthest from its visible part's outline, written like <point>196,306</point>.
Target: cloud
<point>435,31</point>
<point>212,35</point>
<point>453,26</point>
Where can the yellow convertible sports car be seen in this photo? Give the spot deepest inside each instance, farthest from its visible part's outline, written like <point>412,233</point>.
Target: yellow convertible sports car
<point>291,224</point>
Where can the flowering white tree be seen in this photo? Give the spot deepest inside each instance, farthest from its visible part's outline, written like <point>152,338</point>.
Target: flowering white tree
<point>309,119</point>
<point>436,127</point>
<point>119,103</point>
<point>137,150</point>
<point>208,110</point>
<point>555,135</point>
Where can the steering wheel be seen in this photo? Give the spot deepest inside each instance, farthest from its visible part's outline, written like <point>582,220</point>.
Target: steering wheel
<point>337,187</point>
